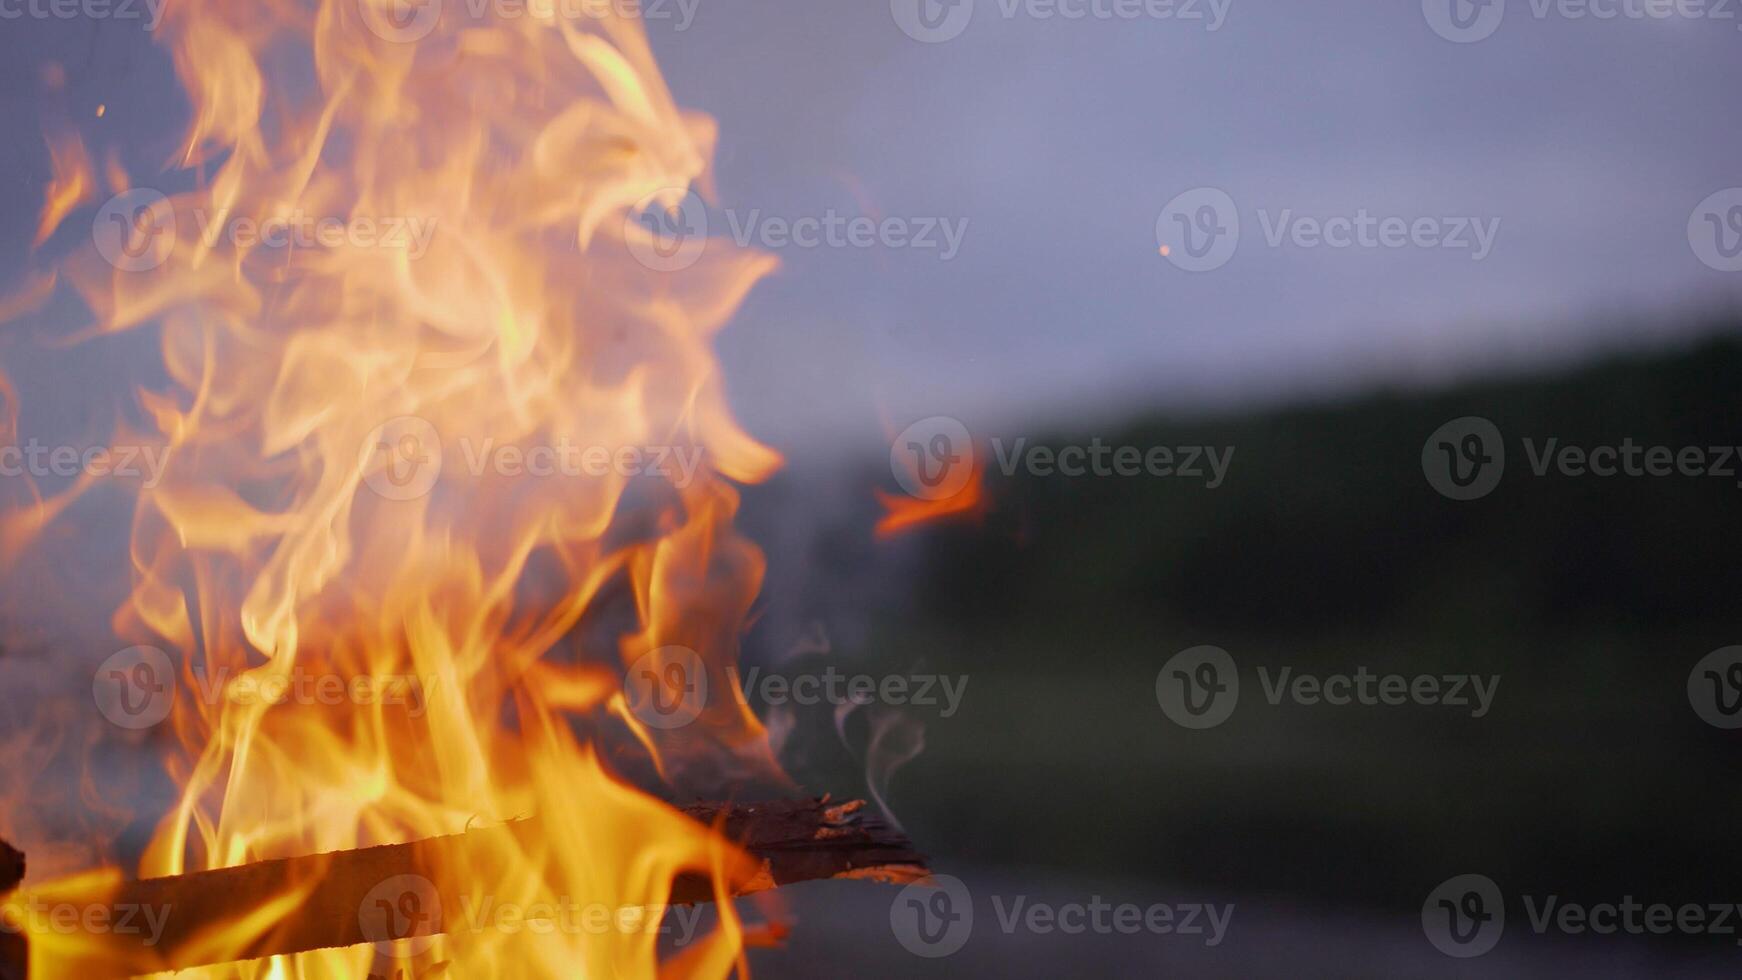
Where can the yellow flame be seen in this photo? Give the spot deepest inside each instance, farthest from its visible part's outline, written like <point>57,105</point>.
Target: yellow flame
<point>301,528</point>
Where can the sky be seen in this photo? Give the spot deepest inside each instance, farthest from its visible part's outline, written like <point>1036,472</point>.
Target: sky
<point>1061,142</point>
<point>1527,186</point>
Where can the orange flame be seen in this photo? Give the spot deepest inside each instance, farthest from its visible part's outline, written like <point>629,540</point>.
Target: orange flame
<point>903,512</point>
<point>74,182</point>
<point>941,471</point>
<point>410,266</point>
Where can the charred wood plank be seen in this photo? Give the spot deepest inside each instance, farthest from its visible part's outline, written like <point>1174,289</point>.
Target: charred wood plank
<point>786,842</point>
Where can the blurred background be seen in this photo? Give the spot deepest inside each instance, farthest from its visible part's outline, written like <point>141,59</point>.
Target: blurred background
<point>1570,182</point>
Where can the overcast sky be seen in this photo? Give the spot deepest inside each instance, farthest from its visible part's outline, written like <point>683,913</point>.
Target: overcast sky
<point>1557,163</point>
<point>1061,142</point>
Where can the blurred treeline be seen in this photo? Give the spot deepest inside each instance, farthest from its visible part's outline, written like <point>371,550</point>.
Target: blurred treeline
<point>1328,550</point>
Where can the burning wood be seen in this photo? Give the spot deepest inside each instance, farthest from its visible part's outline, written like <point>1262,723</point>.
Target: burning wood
<point>14,953</point>
<point>11,867</point>
<point>358,502</point>
<point>786,842</point>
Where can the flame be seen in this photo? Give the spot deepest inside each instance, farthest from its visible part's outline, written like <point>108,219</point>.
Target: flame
<point>904,512</point>
<point>322,514</point>
<point>958,490</point>
<point>74,182</point>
